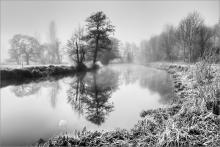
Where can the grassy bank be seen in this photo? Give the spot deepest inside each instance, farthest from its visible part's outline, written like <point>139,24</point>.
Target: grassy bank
<point>16,76</point>
<point>191,120</point>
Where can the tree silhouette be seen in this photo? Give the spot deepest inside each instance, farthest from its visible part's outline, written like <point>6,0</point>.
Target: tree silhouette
<point>76,47</point>
<point>99,29</point>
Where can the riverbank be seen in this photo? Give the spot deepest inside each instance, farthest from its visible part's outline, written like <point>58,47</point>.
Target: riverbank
<point>188,121</point>
<point>194,117</point>
<point>16,76</point>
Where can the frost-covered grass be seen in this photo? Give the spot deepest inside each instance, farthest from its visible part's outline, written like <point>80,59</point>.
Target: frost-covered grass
<point>13,66</point>
<point>32,73</point>
<point>191,120</point>
<point>15,74</point>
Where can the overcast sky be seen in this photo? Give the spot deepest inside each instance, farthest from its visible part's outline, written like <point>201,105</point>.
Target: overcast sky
<point>134,20</point>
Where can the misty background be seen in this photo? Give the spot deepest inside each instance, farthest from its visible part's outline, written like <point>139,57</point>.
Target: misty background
<point>134,20</point>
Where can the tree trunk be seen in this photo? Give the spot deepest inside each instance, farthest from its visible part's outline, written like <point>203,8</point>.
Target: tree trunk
<point>96,51</point>
<point>190,55</point>
<point>190,52</point>
<point>27,59</point>
<point>184,52</point>
<point>77,53</point>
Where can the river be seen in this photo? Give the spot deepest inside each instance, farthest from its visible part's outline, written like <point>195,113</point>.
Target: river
<point>110,98</point>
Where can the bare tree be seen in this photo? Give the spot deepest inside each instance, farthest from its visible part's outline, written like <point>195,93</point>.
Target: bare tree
<point>168,41</point>
<point>188,29</point>
<point>143,51</point>
<point>24,47</point>
<point>205,35</point>
<point>216,35</point>
<point>128,52</point>
<point>155,51</point>
<point>76,47</point>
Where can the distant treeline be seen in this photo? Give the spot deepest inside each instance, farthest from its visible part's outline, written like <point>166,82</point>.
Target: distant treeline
<point>189,41</point>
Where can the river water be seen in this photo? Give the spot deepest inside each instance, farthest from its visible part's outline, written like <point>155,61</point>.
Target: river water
<point>112,97</point>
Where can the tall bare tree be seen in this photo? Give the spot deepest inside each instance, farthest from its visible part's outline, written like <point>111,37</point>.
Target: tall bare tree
<point>217,35</point>
<point>168,41</point>
<point>205,35</point>
<point>188,29</point>
<point>76,47</point>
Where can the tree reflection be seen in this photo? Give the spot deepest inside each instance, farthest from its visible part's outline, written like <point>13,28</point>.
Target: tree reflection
<point>90,95</point>
<point>76,93</point>
<point>155,80</point>
<point>25,89</point>
<point>129,77</point>
<point>159,83</point>
<point>55,87</point>
<point>34,88</point>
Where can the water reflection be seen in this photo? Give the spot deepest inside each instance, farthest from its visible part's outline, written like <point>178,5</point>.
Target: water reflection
<point>110,98</point>
<point>159,83</point>
<point>25,90</point>
<point>156,81</point>
<point>75,93</point>
<point>90,95</point>
<point>54,90</point>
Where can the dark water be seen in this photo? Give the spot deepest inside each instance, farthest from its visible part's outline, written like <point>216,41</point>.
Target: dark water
<point>113,97</point>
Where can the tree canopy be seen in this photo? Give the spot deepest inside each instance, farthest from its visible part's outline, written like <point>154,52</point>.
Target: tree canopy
<point>99,28</point>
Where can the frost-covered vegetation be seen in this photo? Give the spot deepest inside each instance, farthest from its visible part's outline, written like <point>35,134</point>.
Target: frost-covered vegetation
<point>11,76</point>
<point>191,120</point>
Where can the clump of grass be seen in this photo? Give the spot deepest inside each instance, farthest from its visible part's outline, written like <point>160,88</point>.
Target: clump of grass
<point>208,83</point>
<point>92,138</point>
<point>204,72</point>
